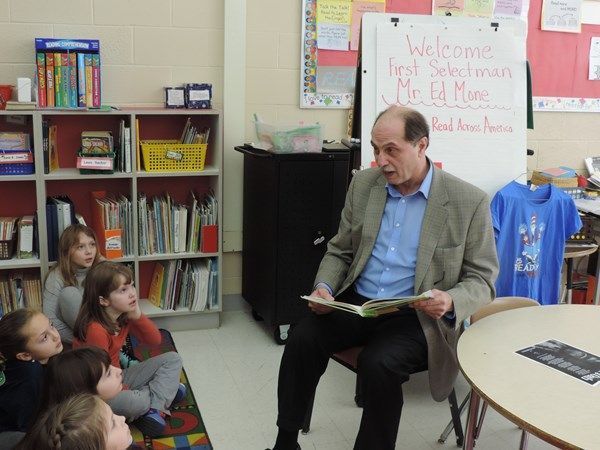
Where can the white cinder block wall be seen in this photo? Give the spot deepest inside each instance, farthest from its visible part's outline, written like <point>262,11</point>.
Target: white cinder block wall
<point>149,44</point>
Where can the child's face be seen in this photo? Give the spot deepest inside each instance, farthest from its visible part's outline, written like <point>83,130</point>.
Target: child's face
<point>43,341</point>
<point>83,253</point>
<point>124,298</point>
<point>118,436</point>
<point>111,383</point>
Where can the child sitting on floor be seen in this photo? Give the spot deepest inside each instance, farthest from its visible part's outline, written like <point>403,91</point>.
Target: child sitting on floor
<point>63,288</point>
<point>80,422</point>
<point>109,311</point>
<point>82,370</point>
<point>27,340</point>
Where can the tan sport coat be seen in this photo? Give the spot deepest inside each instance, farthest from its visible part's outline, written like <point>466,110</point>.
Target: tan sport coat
<point>456,254</point>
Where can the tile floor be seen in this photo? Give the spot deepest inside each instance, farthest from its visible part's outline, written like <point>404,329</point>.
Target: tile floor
<point>233,372</point>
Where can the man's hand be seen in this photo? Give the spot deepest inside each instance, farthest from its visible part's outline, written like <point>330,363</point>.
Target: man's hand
<point>317,308</point>
<point>439,304</point>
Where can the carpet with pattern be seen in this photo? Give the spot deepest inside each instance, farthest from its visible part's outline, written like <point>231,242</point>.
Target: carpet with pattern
<point>185,428</point>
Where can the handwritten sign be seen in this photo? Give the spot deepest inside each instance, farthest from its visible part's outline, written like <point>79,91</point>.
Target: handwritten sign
<point>469,83</point>
<point>358,9</point>
<point>329,11</point>
<point>332,36</point>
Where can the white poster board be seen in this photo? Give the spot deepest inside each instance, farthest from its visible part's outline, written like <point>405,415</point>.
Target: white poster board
<point>467,77</point>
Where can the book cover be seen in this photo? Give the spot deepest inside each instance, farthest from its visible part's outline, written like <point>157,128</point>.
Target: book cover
<point>73,102</point>
<point>57,80</point>
<point>154,294</point>
<point>45,146</point>
<point>50,94</point>
<point>81,101</point>
<point>53,148</point>
<point>41,77</point>
<point>95,81</point>
<point>87,60</point>
<point>65,82</point>
<point>371,308</point>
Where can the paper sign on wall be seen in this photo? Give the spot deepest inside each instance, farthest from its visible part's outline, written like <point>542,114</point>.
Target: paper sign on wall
<point>358,9</point>
<point>469,83</point>
<point>563,15</point>
<point>332,36</point>
<point>330,11</point>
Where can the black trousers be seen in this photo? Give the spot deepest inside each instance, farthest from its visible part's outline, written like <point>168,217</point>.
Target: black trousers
<point>395,347</point>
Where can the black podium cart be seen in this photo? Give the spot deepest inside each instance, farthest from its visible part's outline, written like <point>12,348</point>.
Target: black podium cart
<point>292,205</point>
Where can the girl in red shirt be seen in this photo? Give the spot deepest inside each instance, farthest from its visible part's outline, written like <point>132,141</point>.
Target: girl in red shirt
<point>109,312</point>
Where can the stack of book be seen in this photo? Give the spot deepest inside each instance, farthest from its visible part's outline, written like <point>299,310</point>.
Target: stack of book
<point>68,73</point>
<point>169,227</point>
<point>184,284</point>
<point>18,290</point>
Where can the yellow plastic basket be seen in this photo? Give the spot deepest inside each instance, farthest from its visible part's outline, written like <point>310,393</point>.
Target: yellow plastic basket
<point>172,156</point>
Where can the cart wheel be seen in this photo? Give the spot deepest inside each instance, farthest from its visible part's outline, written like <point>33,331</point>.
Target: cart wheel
<point>281,334</point>
<point>256,316</point>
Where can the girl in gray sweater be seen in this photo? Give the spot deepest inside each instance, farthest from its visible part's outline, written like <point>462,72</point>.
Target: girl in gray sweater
<point>63,288</point>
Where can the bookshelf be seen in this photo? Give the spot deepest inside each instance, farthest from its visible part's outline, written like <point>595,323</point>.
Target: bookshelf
<point>154,123</point>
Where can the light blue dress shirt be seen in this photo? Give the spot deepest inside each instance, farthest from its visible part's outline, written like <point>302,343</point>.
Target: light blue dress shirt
<point>390,270</point>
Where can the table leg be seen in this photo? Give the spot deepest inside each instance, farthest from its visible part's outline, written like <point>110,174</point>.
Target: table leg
<point>597,289</point>
<point>471,421</point>
<point>569,280</point>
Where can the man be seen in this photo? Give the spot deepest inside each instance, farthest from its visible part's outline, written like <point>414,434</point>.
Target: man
<point>406,227</point>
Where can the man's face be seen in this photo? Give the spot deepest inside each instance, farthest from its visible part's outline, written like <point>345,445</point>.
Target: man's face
<point>402,163</point>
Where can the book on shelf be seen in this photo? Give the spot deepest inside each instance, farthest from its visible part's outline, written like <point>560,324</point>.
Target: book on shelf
<point>53,163</point>
<point>40,60</point>
<point>63,77</point>
<point>14,140</point>
<point>20,106</point>
<point>371,308</point>
<point>18,290</point>
<point>25,237</point>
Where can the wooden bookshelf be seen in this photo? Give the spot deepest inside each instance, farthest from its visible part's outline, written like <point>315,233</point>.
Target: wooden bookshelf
<point>155,123</point>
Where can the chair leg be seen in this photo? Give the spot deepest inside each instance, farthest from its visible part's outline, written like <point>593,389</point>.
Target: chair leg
<point>308,415</point>
<point>455,411</point>
<point>450,426</point>
<point>471,421</point>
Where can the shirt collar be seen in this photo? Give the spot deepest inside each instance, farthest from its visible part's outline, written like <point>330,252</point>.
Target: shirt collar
<point>423,189</point>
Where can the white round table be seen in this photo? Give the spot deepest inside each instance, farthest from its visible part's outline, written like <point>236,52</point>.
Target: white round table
<point>552,405</point>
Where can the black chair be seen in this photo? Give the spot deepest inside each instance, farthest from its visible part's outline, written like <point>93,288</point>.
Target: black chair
<point>349,359</point>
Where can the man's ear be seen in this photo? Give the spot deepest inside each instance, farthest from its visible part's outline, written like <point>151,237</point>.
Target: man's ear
<point>24,356</point>
<point>104,302</point>
<point>422,145</point>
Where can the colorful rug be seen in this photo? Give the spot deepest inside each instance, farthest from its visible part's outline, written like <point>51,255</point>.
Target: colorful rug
<point>185,428</point>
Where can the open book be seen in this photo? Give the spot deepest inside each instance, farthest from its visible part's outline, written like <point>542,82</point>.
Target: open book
<point>372,308</point>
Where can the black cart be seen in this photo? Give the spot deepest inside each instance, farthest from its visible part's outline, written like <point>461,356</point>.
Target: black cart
<point>292,205</point>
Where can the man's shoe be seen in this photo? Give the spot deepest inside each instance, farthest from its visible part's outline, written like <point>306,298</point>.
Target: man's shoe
<point>151,424</point>
<point>180,395</point>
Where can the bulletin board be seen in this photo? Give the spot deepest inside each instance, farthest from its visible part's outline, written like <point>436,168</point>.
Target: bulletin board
<point>559,66</point>
<point>558,61</point>
<point>467,76</point>
<point>328,76</point>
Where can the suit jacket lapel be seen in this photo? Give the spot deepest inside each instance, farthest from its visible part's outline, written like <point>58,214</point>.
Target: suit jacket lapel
<point>373,213</point>
<point>434,223</point>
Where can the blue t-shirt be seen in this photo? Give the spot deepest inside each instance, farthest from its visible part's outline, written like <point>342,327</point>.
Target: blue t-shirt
<point>531,228</point>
